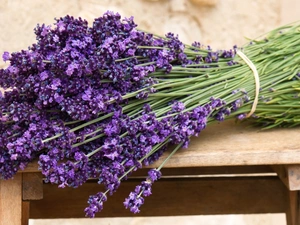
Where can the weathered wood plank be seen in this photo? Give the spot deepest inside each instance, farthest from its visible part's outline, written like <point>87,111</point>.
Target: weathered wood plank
<point>210,171</point>
<point>230,144</point>
<point>11,201</point>
<point>293,211</point>
<point>25,212</point>
<point>32,168</point>
<point>293,172</point>
<point>171,197</point>
<point>32,186</point>
<point>289,175</point>
<point>239,144</point>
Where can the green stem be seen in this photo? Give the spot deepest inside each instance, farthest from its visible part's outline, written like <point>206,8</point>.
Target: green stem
<point>170,155</point>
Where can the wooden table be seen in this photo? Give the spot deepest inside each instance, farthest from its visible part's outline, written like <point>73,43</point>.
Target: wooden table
<point>230,169</point>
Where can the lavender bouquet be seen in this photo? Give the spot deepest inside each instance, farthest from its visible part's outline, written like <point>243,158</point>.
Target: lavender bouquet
<point>100,102</point>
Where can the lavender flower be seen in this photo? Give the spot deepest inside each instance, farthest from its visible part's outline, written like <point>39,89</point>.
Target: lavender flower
<point>6,56</point>
<point>136,198</point>
<point>101,101</point>
<point>95,204</point>
<point>241,116</point>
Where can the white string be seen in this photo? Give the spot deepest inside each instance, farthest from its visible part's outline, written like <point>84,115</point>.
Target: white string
<point>257,83</point>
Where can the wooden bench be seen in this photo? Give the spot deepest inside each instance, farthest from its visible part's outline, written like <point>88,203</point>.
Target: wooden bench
<point>230,169</point>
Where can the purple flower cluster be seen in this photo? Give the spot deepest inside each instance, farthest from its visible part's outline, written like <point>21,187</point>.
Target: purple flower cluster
<point>78,69</point>
<point>95,204</point>
<point>136,198</point>
<point>78,100</point>
<point>121,154</point>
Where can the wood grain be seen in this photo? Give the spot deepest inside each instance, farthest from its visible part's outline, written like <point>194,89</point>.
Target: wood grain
<point>239,144</point>
<point>231,144</point>
<point>293,172</point>
<point>293,211</point>
<point>25,212</point>
<point>32,188</point>
<point>289,175</point>
<point>209,171</point>
<point>171,197</point>
<point>11,201</point>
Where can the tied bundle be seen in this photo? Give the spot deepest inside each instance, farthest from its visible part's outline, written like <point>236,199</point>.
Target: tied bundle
<point>100,102</point>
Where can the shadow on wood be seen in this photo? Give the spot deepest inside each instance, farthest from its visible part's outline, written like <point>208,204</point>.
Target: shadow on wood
<point>171,197</point>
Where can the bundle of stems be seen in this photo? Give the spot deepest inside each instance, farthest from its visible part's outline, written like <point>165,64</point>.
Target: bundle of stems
<point>102,101</point>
